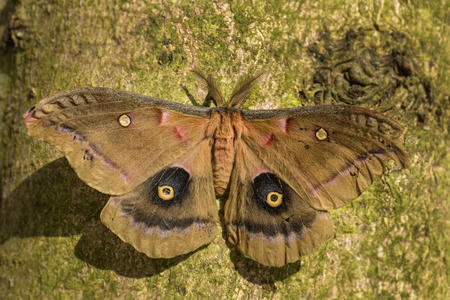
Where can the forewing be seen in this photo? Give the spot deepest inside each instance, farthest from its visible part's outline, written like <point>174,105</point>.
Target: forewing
<point>327,154</point>
<point>116,140</point>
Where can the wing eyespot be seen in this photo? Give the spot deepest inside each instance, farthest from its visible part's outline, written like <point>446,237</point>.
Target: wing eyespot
<point>166,192</point>
<point>269,193</point>
<point>125,120</point>
<point>321,134</point>
<point>274,199</point>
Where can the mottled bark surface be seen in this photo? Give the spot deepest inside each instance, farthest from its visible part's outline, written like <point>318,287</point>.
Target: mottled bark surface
<point>391,56</point>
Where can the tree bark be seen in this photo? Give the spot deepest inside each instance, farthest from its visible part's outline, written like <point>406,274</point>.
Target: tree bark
<point>391,56</point>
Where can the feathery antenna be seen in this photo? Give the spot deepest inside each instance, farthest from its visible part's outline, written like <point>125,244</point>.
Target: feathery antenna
<point>211,86</point>
<point>243,89</point>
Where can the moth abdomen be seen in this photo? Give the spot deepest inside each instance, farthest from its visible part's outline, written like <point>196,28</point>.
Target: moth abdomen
<point>223,152</point>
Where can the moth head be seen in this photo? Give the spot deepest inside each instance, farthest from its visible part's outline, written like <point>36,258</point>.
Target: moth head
<point>238,96</point>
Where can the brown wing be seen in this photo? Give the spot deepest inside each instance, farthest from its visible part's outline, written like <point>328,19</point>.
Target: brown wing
<point>266,219</point>
<point>327,154</point>
<point>116,140</point>
<point>172,213</point>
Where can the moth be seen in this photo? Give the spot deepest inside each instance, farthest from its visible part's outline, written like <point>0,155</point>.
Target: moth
<point>165,164</point>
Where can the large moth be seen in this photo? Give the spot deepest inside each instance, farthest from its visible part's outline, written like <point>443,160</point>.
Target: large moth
<point>164,164</point>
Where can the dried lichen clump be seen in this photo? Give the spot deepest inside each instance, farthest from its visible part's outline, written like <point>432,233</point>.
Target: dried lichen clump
<point>363,67</point>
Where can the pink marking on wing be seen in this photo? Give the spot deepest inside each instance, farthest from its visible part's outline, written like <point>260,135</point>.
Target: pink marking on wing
<point>25,115</point>
<point>65,129</point>
<point>260,170</point>
<point>125,177</point>
<point>95,152</point>
<point>182,166</point>
<point>107,162</point>
<point>114,201</point>
<point>164,117</point>
<point>181,135</point>
<point>164,232</point>
<point>267,140</point>
<point>283,124</point>
<point>30,117</point>
<point>181,231</point>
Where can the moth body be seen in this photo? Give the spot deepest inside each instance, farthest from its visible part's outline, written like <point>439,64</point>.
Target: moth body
<point>223,151</point>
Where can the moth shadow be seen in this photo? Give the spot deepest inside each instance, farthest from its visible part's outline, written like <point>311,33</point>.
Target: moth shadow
<point>53,202</point>
<point>259,274</point>
<point>251,270</point>
<point>102,249</point>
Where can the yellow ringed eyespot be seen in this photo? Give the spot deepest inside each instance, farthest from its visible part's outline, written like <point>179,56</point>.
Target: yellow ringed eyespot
<point>165,192</point>
<point>125,120</point>
<point>274,199</point>
<point>321,134</point>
